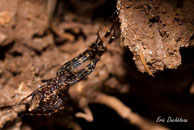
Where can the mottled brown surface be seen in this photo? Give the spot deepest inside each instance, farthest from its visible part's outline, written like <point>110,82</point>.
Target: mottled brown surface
<point>32,50</point>
<point>161,27</point>
<point>29,53</point>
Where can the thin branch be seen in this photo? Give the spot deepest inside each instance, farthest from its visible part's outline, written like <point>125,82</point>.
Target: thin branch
<point>126,113</point>
<point>87,115</point>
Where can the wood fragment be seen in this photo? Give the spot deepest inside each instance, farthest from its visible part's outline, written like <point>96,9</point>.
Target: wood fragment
<point>126,113</point>
<point>87,115</point>
<point>142,58</point>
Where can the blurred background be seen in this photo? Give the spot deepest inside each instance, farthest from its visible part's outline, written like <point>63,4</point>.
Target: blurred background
<point>37,37</point>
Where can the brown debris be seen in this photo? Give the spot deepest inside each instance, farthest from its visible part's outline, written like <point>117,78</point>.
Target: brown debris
<point>8,11</point>
<point>142,58</point>
<point>61,34</point>
<point>114,103</point>
<point>4,18</point>
<point>159,26</point>
<point>11,114</point>
<point>126,113</point>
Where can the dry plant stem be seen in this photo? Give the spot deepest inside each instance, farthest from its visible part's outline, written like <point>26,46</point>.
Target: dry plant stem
<point>87,115</point>
<point>126,112</point>
<point>142,58</point>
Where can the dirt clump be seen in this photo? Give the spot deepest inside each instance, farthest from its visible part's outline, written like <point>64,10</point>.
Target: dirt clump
<point>159,28</point>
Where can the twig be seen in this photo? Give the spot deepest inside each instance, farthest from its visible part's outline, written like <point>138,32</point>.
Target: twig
<point>87,115</point>
<point>126,112</point>
<point>84,98</point>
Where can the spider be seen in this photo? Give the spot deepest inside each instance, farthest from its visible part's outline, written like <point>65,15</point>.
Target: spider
<point>53,96</point>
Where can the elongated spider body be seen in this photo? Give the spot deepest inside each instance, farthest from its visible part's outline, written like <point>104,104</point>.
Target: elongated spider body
<point>53,96</point>
<point>47,100</point>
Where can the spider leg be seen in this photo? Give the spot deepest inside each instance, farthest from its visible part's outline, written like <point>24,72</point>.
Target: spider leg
<point>77,61</point>
<point>45,80</point>
<point>90,52</point>
<point>49,81</point>
<point>83,73</point>
<point>111,39</point>
<point>104,48</point>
